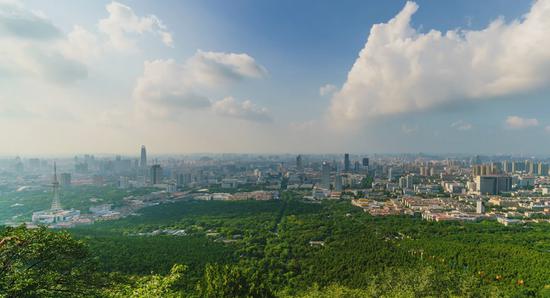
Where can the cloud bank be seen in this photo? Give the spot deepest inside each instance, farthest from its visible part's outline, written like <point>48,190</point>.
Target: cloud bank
<point>166,86</point>
<point>516,122</point>
<point>246,110</point>
<point>402,70</point>
<point>122,23</point>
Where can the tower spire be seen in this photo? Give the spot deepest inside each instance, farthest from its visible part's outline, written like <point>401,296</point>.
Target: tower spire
<point>56,204</point>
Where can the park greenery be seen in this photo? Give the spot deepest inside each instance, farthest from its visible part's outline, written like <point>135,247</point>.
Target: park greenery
<point>280,248</point>
<point>18,205</point>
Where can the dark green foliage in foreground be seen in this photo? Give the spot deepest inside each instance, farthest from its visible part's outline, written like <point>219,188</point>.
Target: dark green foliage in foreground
<point>41,263</point>
<point>265,249</point>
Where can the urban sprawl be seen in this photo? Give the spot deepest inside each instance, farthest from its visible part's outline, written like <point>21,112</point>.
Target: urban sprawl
<point>508,189</point>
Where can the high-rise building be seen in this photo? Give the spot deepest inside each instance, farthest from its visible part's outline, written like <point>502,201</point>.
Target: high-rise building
<point>542,169</point>
<point>347,163</point>
<point>325,175</point>
<point>493,184</point>
<point>183,180</point>
<point>65,179</point>
<point>530,167</point>
<point>299,164</point>
<point>155,174</point>
<point>365,162</point>
<point>143,161</point>
<point>338,182</point>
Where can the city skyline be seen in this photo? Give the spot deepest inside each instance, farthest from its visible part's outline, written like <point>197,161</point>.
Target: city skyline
<point>216,77</point>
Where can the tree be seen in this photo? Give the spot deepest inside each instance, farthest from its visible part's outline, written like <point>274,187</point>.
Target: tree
<point>232,281</point>
<point>39,262</point>
<point>171,285</point>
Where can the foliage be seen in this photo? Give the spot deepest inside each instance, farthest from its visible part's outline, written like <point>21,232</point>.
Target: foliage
<point>41,263</point>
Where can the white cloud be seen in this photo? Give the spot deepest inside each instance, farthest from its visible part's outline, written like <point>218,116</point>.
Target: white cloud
<point>164,88</point>
<point>16,21</point>
<point>245,110</point>
<point>516,122</point>
<point>547,129</point>
<point>82,45</point>
<point>402,70</point>
<point>32,47</point>
<point>122,24</point>
<point>167,86</point>
<point>461,125</point>
<point>213,68</point>
<point>327,90</point>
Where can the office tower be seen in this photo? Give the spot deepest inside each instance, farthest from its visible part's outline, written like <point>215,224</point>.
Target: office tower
<point>365,162</point>
<point>530,167</point>
<point>493,185</point>
<point>143,162</point>
<point>518,166</point>
<point>183,180</point>
<point>542,169</point>
<point>65,179</point>
<point>56,204</point>
<point>390,174</point>
<point>480,208</point>
<point>299,164</point>
<point>338,182</point>
<point>325,175</point>
<point>347,164</point>
<point>155,174</point>
<point>496,168</point>
<point>507,166</point>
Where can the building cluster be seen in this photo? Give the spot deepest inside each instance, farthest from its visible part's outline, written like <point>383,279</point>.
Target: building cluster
<point>433,187</point>
<point>439,189</point>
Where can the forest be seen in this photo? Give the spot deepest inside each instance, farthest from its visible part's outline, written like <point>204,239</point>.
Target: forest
<point>281,248</point>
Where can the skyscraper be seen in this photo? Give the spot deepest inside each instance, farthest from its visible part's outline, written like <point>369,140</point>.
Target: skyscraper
<point>338,182</point>
<point>156,174</point>
<point>299,164</point>
<point>143,162</point>
<point>365,162</point>
<point>325,175</point>
<point>347,164</point>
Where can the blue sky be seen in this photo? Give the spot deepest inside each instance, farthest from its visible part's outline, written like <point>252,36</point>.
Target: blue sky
<point>245,76</point>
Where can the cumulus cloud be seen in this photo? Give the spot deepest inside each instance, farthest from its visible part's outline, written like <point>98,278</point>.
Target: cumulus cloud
<point>516,122</point>
<point>167,86</point>
<point>163,88</point>
<point>213,68</point>
<point>461,125</point>
<point>16,21</point>
<point>327,90</point>
<point>82,45</point>
<point>31,46</point>
<point>122,24</point>
<point>401,70</point>
<point>246,110</point>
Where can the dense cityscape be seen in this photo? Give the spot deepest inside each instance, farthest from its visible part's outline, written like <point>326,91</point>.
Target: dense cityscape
<point>439,188</point>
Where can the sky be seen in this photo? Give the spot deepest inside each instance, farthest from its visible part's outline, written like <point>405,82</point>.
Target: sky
<point>274,76</point>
